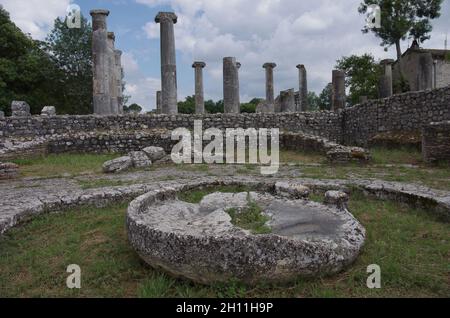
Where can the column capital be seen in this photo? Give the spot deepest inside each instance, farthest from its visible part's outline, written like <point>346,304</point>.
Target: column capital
<point>301,66</point>
<point>387,62</point>
<point>269,65</point>
<point>166,16</point>
<point>111,36</point>
<point>99,12</point>
<point>118,52</point>
<point>199,65</point>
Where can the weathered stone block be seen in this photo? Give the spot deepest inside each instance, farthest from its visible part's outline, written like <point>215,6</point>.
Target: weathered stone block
<point>118,165</point>
<point>436,142</point>
<point>140,159</point>
<point>8,170</point>
<point>20,109</point>
<point>154,153</point>
<point>48,111</point>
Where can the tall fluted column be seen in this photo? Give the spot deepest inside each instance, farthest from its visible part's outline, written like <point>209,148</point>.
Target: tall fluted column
<point>101,92</point>
<point>270,99</point>
<point>168,62</point>
<point>119,80</point>
<point>303,87</point>
<point>114,105</point>
<point>199,98</point>
<point>230,86</point>
<point>338,93</point>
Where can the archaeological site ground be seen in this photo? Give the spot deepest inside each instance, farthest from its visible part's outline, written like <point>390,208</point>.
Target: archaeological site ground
<point>282,202</point>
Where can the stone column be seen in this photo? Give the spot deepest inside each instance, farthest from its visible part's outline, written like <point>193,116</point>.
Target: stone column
<point>303,87</point>
<point>338,90</point>
<point>238,87</point>
<point>270,99</point>
<point>101,93</point>
<point>158,102</point>
<point>119,80</point>
<point>287,101</point>
<point>112,74</point>
<point>199,98</point>
<point>385,83</point>
<point>168,62</point>
<point>230,86</point>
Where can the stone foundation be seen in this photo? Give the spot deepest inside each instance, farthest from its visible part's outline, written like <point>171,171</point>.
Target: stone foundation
<point>8,171</point>
<point>125,142</point>
<point>436,142</point>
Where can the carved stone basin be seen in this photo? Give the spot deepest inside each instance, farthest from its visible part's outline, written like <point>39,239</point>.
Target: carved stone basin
<point>199,241</point>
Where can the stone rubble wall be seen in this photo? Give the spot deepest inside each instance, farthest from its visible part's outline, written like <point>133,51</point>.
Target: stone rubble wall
<point>334,152</point>
<point>324,124</point>
<point>129,141</point>
<point>436,142</point>
<point>356,125</point>
<point>403,112</point>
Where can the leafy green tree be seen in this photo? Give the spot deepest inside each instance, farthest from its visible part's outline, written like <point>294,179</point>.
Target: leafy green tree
<point>361,76</point>
<point>214,108</point>
<point>133,108</point>
<point>401,19</point>
<point>71,51</point>
<point>187,106</point>
<point>313,101</point>
<point>325,98</point>
<point>250,107</point>
<point>26,71</point>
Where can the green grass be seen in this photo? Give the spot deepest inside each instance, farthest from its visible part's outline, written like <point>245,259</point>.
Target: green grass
<point>250,218</point>
<point>412,248</point>
<point>396,156</point>
<point>57,165</point>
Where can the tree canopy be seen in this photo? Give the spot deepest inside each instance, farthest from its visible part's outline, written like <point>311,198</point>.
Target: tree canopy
<point>71,52</point>
<point>361,76</point>
<point>401,19</point>
<point>26,71</point>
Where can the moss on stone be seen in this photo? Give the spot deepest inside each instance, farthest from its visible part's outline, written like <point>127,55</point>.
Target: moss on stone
<point>250,218</point>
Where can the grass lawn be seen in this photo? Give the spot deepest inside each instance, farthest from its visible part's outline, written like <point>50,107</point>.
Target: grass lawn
<point>403,165</point>
<point>412,249</point>
<point>58,165</point>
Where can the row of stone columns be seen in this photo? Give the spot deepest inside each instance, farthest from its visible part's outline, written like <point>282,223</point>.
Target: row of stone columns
<point>107,68</point>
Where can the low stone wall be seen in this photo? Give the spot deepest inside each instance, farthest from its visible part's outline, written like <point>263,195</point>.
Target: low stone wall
<point>352,126</point>
<point>8,170</point>
<point>407,112</point>
<point>324,124</point>
<point>57,199</point>
<point>125,142</point>
<point>436,142</point>
<point>334,152</point>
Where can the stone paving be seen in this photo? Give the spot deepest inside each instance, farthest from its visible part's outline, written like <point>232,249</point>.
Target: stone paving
<point>23,198</point>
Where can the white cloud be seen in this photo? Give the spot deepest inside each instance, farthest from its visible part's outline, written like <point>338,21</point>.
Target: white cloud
<point>288,32</point>
<point>33,17</point>
<point>141,88</point>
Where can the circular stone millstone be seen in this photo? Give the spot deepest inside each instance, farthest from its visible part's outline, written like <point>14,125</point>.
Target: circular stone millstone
<point>199,242</point>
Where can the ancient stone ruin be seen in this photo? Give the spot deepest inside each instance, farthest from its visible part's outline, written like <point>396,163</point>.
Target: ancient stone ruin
<point>199,242</point>
<point>107,69</point>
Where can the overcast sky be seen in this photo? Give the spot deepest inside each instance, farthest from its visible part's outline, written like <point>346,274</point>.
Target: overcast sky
<point>288,32</point>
